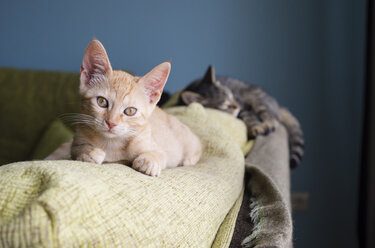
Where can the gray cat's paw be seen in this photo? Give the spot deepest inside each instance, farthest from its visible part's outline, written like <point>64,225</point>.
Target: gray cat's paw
<point>147,165</point>
<point>263,128</point>
<point>95,156</point>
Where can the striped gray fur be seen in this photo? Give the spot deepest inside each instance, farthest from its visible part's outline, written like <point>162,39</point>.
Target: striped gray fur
<point>260,111</point>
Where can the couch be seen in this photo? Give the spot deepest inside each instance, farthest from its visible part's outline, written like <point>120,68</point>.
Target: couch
<point>230,200</point>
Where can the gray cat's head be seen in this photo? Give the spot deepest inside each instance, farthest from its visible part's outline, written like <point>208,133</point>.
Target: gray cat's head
<point>211,93</point>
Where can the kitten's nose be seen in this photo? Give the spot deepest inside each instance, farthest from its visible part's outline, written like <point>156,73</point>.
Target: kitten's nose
<point>111,124</point>
<point>233,106</point>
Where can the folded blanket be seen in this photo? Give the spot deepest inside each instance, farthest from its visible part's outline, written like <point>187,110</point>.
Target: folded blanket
<point>264,217</point>
<point>268,167</point>
<point>74,204</point>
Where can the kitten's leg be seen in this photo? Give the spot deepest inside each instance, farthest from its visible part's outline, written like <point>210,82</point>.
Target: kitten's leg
<point>269,121</point>
<point>87,153</point>
<point>193,149</point>
<point>192,159</point>
<point>253,124</point>
<point>265,108</point>
<point>150,163</point>
<point>95,155</point>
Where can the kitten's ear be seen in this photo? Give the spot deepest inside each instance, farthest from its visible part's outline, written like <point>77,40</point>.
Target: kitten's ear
<point>209,77</point>
<point>95,63</point>
<point>190,97</point>
<point>154,81</point>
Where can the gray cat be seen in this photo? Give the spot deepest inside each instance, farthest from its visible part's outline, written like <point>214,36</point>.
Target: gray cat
<point>260,112</point>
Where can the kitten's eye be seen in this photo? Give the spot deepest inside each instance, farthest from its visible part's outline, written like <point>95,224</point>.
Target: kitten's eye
<point>102,102</point>
<point>130,111</point>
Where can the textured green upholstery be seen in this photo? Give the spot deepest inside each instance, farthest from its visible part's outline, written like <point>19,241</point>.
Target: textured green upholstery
<point>29,101</point>
<point>56,134</point>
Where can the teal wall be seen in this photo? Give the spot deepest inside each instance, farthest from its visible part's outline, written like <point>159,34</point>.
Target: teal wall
<point>309,54</point>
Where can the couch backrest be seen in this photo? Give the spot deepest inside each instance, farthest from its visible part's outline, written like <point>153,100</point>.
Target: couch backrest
<point>29,102</point>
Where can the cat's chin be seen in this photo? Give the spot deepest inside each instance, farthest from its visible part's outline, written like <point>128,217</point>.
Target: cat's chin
<point>109,134</point>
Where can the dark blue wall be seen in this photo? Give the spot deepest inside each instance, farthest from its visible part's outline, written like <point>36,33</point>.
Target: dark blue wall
<point>309,54</point>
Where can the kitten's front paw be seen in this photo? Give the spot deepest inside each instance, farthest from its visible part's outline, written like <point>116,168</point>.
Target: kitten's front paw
<point>263,128</point>
<point>95,156</point>
<point>148,164</point>
<point>192,160</point>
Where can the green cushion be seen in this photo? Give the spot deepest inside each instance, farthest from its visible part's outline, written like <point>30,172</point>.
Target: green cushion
<point>56,134</point>
<point>29,102</point>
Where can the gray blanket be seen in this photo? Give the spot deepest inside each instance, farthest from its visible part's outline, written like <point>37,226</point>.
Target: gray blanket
<point>269,184</point>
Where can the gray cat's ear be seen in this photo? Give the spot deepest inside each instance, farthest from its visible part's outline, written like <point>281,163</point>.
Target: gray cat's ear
<point>209,77</point>
<point>95,63</point>
<point>190,97</point>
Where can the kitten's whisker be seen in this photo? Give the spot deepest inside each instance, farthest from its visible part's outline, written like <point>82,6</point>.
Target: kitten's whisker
<point>78,118</point>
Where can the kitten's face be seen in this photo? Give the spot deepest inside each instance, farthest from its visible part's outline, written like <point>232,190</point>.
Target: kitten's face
<point>115,103</point>
<point>118,104</point>
<point>212,94</point>
<point>220,97</point>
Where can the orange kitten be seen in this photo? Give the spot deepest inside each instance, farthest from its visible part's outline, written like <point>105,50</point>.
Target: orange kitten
<point>121,122</point>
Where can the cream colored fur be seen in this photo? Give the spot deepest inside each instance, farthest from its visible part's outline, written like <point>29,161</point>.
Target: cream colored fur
<point>151,140</point>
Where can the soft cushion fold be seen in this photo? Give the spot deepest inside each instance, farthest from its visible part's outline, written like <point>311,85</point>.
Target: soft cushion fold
<point>74,204</point>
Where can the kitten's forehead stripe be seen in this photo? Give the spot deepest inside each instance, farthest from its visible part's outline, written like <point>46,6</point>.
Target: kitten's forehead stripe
<point>123,83</point>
